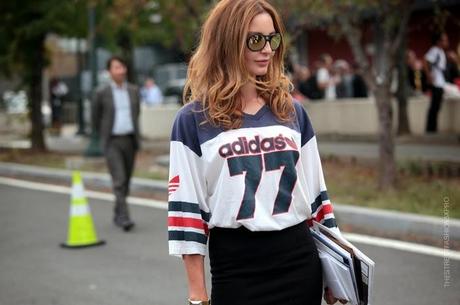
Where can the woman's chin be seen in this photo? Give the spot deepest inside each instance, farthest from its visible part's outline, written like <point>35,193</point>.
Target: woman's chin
<point>261,72</point>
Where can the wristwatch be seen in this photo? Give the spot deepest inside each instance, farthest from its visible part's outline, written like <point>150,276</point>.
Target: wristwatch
<point>190,302</point>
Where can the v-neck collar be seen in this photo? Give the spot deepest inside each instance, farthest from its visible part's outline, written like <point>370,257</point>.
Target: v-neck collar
<point>258,114</point>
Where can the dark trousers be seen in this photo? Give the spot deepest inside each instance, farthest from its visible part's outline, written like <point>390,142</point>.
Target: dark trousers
<point>120,156</point>
<point>435,106</point>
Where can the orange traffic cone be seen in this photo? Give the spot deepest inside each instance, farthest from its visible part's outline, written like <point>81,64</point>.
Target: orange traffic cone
<point>81,232</point>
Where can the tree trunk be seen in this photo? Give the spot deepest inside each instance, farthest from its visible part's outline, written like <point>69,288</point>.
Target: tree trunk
<point>35,95</point>
<point>124,41</point>
<point>128,56</point>
<point>387,165</point>
<point>403,117</point>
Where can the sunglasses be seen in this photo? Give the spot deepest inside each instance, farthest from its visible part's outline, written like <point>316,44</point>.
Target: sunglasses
<point>256,42</point>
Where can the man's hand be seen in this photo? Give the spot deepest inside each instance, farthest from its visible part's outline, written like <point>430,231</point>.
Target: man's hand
<point>330,299</point>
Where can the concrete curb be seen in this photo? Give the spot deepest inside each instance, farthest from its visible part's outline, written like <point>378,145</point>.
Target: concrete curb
<point>390,222</point>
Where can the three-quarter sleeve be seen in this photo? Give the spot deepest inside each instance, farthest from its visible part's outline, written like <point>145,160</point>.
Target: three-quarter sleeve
<point>188,214</point>
<point>322,209</point>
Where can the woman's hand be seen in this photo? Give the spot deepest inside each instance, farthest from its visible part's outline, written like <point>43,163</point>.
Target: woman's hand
<point>329,297</point>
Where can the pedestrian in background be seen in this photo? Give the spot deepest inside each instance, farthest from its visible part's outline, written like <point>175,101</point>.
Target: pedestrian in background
<point>435,66</point>
<point>327,78</point>
<point>151,93</point>
<point>344,88</point>
<point>58,90</point>
<point>245,168</point>
<point>115,113</point>
<point>310,87</point>
<point>358,83</point>
<point>452,68</point>
<point>415,73</point>
<point>301,76</point>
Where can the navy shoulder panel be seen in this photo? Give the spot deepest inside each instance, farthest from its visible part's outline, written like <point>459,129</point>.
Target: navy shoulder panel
<point>304,121</point>
<point>185,127</point>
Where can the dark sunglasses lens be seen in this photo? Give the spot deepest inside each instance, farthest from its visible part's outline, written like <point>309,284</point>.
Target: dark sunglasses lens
<point>256,42</point>
<point>275,41</point>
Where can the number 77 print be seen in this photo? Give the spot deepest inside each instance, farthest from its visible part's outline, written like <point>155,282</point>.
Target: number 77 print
<point>254,166</point>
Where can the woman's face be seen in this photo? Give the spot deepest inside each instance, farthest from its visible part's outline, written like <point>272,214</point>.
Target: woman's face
<point>257,62</point>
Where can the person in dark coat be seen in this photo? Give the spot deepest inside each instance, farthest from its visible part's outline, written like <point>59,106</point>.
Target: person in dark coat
<point>115,116</point>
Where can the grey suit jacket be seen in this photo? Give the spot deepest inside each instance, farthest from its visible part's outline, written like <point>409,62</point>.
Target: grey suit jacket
<point>103,113</point>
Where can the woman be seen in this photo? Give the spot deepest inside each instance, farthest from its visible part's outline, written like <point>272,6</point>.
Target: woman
<point>245,169</point>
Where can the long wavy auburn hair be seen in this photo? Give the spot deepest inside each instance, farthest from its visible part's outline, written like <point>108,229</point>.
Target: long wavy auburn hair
<point>217,69</point>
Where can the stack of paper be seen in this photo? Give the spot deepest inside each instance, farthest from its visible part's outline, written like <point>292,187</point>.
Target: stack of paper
<point>347,271</point>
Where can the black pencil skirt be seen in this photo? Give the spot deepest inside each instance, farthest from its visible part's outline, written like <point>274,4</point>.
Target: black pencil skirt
<point>265,268</point>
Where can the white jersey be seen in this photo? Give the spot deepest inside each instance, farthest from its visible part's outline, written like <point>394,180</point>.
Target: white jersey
<point>264,176</point>
<point>437,58</point>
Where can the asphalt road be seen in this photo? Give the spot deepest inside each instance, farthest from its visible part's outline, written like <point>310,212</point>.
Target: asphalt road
<point>134,268</point>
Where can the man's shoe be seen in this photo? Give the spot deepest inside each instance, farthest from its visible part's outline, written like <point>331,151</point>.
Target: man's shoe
<point>125,223</point>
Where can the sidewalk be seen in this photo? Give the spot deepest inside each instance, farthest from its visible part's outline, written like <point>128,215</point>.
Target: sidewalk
<point>67,142</point>
<point>439,148</point>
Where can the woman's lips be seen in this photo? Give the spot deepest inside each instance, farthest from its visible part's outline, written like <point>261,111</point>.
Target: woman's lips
<point>262,62</point>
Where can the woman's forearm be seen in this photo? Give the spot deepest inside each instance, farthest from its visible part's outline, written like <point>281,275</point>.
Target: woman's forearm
<point>194,266</point>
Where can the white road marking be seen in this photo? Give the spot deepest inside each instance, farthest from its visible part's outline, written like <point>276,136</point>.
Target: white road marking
<point>162,205</point>
<point>402,245</point>
<point>352,237</point>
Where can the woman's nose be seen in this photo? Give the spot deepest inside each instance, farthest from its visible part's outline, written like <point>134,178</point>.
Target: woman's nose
<point>267,48</point>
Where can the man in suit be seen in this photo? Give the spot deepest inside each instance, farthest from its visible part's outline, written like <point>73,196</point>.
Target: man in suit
<point>115,113</point>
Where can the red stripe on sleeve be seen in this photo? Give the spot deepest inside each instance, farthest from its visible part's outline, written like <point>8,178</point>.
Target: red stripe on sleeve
<point>324,209</point>
<point>187,222</point>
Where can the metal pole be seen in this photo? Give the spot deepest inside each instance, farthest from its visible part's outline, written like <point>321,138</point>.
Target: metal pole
<point>93,149</point>
<point>92,41</point>
<point>81,106</point>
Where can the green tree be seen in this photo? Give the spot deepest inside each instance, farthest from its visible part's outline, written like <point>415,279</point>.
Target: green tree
<point>24,28</point>
<point>388,21</point>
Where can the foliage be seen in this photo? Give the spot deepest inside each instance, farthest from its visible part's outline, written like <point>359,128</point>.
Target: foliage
<point>181,21</point>
<point>24,27</point>
<point>25,22</point>
<point>169,23</point>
